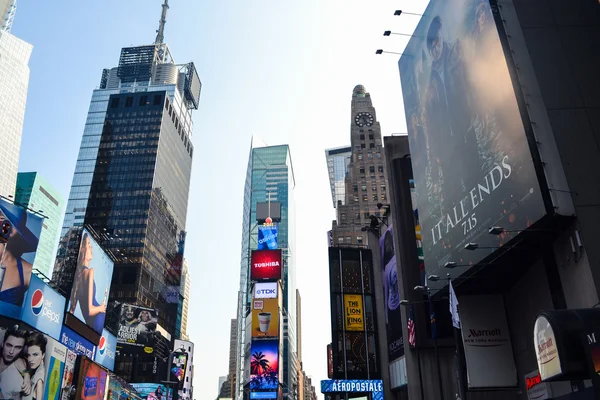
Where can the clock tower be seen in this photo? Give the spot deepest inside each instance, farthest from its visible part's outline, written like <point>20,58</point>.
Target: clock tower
<point>366,177</point>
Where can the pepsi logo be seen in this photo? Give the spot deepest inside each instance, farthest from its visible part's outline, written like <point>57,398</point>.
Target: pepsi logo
<point>37,302</point>
<point>102,345</point>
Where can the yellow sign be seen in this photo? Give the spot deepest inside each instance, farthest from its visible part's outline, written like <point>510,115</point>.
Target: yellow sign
<point>354,315</point>
<point>265,318</point>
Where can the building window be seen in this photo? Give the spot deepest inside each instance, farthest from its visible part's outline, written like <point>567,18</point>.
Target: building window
<point>362,170</point>
<point>365,197</point>
<point>372,169</point>
<point>371,145</point>
<point>370,136</point>
<point>355,198</point>
<point>374,196</point>
<point>114,103</point>
<point>129,102</point>
<point>374,188</point>
<point>360,156</point>
<point>364,188</point>
<point>143,100</point>
<point>378,155</point>
<point>383,197</point>
<point>370,155</point>
<point>362,137</point>
<point>383,188</point>
<point>358,216</point>
<point>362,145</point>
<point>348,239</point>
<point>343,215</point>
<point>380,168</point>
<point>157,99</point>
<point>359,239</point>
<point>340,240</point>
<point>355,188</point>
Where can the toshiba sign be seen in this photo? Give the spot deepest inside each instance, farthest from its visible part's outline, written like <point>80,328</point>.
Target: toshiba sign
<point>265,265</point>
<point>265,290</point>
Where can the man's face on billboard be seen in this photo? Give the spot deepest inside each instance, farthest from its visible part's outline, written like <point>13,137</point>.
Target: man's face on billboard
<point>436,48</point>
<point>12,348</point>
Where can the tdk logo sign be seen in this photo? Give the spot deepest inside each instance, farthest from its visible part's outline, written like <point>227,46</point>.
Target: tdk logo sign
<point>265,290</point>
<point>43,307</point>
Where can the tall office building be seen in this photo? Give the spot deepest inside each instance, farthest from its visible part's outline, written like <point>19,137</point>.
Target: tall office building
<point>34,192</point>
<point>270,177</point>
<point>186,285</point>
<point>14,81</point>
<point>227,388</point>
<point>131,185</point>
<point>337,167</point>
<point>8,8</point>
<point>365,181</point>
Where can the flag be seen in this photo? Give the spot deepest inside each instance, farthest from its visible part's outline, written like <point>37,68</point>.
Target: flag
<point>454,308</point>
<point>432,320</point>
<point>411,328</point>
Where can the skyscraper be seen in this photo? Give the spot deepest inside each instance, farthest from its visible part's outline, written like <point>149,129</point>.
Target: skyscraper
<point>34,192</point>
<point>14,81</point>
<point>227,388</point>
<point>270,178</point>
<point>365,181</point>
<point>8,8</point>
<point>337,167</point>
<point>131,185</point>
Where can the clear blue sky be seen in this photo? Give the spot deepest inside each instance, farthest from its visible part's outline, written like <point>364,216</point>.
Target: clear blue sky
<point>282,70</point>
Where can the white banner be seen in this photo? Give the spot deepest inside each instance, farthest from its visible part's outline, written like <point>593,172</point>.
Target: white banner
<point>488,351</point>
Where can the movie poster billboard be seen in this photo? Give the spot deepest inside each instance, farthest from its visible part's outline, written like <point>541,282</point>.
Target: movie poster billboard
<point>393,316</point>
<point>19,236</point>
<point>354,312</point>
<point>27,352</point>
<point>93,274</point>
<point>93,380</point>
<point>265,265</point>
<point>267,237</point>
<point>472,164</point>
<point>137,326</point>
<point>265,318</point>
<point>153,391</point>
<point>264,365</point>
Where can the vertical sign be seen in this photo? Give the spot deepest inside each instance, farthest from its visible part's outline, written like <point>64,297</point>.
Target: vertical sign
<point>353,310</point>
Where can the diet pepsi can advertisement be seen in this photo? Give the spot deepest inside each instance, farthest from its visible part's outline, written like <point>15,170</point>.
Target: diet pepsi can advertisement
<point>43,308</point>
<point>105,352</point>
<point>267,237</point>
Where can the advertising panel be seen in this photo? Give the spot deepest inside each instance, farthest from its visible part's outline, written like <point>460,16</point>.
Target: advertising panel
<point>488,350</point>
<point>264,365</point>
<point>27,352</point>
<point>546,351</point>
<point>44,308</point>
<point>77,343</point>
<point>374,386</point>
<point>185,393</point>
<point>93,273</point>
<point>93,380</point>
<point>263,395</point>
<point>265,318</point>
<point>178,368</point>
<point>265,265</point>
<point>153,391</point>
<point>472,163</point>
<point>172,294</point>
<point>105,353</point>
<point>267,237</point>
<point>393,317</point>
<point>19,236</point>
<point>330,361</point>
<point>68,387</point>
<point>353,312</point>
<point>535,388</point>
<point>265,290</point>
<point>137,326</point>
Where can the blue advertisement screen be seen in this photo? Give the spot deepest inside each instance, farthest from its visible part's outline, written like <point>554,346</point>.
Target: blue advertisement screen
<point>76,342</point>
<point>267,237</point>
<point>153,391</point>
<point>263,395</point>
<point>95,270</point>
<point>106,350</point>
<point>43,308</point>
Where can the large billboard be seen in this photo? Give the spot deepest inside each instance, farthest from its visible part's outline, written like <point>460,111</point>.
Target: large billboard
<point>137,326</point>
<point>44,308</point>
<point>264,365</point>
<point>265,290</point>
<point>265,318</point>
<point>91,284</point>
<point>393,316</point>
<point>471,159</point>
<point>178,369</point>
<point>19,237</point>
<point>106,351</point>
<point>92,382</point>
<point>265,265</point>
<point>153,391</point>
<point>29,354</point>
<point>267,237</point>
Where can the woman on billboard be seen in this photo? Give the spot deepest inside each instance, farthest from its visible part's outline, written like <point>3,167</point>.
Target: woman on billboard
<point>36,351</point>
<point>84,288</point>
<point>16,240</point>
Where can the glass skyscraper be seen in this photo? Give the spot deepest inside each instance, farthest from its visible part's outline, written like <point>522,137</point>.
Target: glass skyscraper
<point>337,168</point>
<point>34,192</point>
<point>270,176</point>
<point>14,82</point>
<point>131,186</point>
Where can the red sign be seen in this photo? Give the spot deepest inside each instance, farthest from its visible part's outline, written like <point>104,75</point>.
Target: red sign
<point>329,361</point>
<point>265,265</point>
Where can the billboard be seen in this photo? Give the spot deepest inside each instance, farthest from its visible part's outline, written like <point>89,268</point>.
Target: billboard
<point>267,237</point>
<point>29,353</point>
<point>137,326</point>
<point>185,393</point>
<point>265,318</point>
<point>263,395</point>
<point>265,290</point>
<point>153,391</point>
<point>353,312</point>
<point>76,342</point>
<point>93,380</point>
<point>471,159</point>
<point>68,387</point>
<point>393,317</point>
<point>264,365</point>
<point>178,368</point>
<point>105,353</point>
<point>19,237</point>
<point>266,210</point>
<point>265,265</point>
<point>91,284</point>
<point>44,308</point>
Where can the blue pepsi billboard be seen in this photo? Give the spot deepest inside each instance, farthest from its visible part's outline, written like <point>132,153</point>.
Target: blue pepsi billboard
<point>77,343</point>
<point>43,308</point>
<point>267,237</point>
<point>106,350</point>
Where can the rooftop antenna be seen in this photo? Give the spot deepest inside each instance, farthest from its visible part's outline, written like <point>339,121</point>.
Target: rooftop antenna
<point>160,32</point>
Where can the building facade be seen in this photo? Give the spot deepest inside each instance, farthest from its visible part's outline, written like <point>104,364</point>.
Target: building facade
<point>229,386</point>
<point>365,174</point>
<point>8,8</point>
<point>270,178</point>
<point>34,192</point>
<point>14,70</point>
<point>337,168</point>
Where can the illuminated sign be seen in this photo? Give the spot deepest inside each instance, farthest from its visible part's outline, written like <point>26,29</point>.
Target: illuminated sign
<point>375,387</point>
<point>353,310</point>
<point>267,237</point>
<point>544,342</point>
<point>265,290</point>
<point>265,265</point>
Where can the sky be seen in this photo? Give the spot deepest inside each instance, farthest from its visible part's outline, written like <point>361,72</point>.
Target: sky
<point>281,70</point>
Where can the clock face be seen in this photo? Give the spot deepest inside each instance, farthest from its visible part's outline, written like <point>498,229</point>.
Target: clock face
<point>363,118</point>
